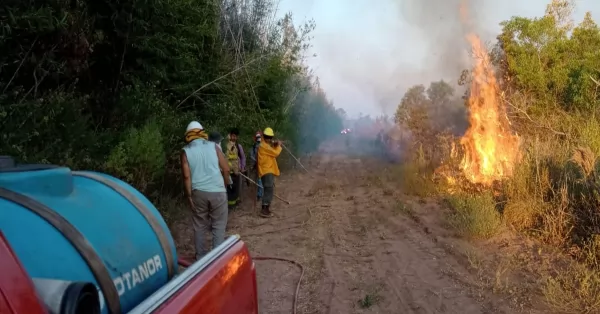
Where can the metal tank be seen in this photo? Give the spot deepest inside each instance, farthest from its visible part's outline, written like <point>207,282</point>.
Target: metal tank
<point>71,229</point>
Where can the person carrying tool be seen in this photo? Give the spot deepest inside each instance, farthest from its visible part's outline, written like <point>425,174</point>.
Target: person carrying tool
<point>237,164</point>
<point>254,166</point>
<point>268,151</point>
<point>205,176</point>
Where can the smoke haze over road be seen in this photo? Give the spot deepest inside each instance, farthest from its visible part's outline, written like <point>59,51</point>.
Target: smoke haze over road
<point>370,52</point>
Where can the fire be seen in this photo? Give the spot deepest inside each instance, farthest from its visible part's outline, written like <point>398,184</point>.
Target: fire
<point>490,149</point>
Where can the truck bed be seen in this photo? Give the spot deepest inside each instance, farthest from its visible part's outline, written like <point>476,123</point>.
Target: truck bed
<point>223,281</point>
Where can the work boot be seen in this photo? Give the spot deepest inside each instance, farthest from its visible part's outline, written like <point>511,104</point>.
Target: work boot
<point>265,212</point>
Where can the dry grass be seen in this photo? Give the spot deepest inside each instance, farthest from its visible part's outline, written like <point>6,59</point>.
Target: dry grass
<point>553,196</point>
<point>414,180</point>
<point>522,214</point>
<point>475,215</point>
<point>323,188</point>
<point>575,289</point>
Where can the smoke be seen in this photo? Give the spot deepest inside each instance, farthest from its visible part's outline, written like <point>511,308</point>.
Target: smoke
<point>369,53</point>
<point>440,30</point>
<point>438,24</point>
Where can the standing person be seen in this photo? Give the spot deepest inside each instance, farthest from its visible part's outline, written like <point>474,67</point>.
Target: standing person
<point>268,151</point>
<point>237,163</point>
<point>254,165</point>
<point>217,138</point>
<point>205,174</point>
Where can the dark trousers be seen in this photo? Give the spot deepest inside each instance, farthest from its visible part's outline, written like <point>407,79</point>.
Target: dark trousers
<point>268,183</point>
<point>233,193</point>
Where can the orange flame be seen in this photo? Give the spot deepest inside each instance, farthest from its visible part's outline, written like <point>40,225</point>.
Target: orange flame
<point>491,150</point>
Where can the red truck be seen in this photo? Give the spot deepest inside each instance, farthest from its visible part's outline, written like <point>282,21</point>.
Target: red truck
<point>224,281</point>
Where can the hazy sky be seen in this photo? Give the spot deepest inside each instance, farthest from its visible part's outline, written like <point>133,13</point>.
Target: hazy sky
<point>370,51</point>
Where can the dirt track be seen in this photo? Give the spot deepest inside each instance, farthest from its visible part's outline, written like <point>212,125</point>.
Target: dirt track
<point>363,250</point>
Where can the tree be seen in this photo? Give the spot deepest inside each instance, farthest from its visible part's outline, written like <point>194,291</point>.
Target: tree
<point>430,111</point>
<point>562,13</point>
<point>342,113</point>
<point>413,111</point>
<point>112,80</point>
<point>440,93</point>
<point>551,66</point>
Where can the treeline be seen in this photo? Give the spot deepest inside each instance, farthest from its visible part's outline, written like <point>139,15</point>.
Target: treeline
<point>110,85</point>
<point>435,109</point>
<point>549,69</point>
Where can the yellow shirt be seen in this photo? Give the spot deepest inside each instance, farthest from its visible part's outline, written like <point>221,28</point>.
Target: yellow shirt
<point>267,162</point>
<point>233,158</point>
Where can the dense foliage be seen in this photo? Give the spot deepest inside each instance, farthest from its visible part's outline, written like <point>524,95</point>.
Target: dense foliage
<point>110,85</point>
<point>432,110</point>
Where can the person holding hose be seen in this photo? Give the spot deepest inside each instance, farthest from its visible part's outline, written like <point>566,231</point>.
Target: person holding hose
<point>268,151</point>
<point>205,176</point>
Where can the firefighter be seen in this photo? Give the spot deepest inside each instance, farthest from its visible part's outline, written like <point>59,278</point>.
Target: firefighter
<point>237,163</point>
<point>205,175</point>
<point>268,151</point>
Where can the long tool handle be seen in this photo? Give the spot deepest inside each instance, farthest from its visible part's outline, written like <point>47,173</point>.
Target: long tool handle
<point>260,186</point>
<point>298,161</point>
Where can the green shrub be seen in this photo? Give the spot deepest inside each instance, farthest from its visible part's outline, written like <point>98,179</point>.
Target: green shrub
<point>474,216</point>
<point>140,157</point>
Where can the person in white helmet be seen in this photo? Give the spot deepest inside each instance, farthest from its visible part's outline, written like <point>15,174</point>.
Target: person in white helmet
<point>205,176</point>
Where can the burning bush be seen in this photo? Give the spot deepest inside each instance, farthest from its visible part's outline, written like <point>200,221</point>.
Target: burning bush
<point>547,179</point>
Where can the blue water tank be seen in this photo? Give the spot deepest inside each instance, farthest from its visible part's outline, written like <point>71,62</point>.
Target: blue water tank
<point>72,226</point>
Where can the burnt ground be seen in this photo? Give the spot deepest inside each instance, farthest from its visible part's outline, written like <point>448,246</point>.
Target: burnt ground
<point>366,247</point>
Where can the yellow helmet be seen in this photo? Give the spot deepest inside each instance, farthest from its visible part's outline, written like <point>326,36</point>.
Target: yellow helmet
<point>268,132</point>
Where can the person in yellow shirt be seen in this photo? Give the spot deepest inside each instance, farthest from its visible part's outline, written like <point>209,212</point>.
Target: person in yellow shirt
<point>268,151</point>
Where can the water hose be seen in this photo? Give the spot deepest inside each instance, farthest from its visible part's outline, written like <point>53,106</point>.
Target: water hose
<point>185,263</point>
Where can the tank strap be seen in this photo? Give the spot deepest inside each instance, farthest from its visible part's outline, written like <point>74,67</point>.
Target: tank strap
<point>78,241</point>
<point>142,209</point>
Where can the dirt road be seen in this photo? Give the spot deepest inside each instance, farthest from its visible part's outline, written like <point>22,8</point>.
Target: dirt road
<point>365,247</point>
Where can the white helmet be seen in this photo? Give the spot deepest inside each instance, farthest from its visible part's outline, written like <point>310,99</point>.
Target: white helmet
<point>194,125</point>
